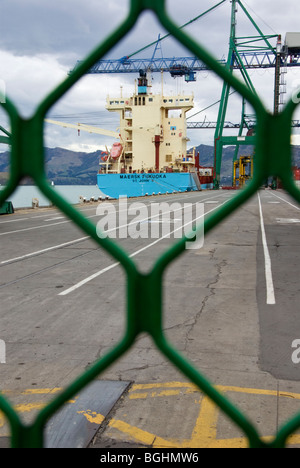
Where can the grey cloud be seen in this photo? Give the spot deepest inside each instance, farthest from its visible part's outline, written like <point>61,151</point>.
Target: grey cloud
<point>59,27</point>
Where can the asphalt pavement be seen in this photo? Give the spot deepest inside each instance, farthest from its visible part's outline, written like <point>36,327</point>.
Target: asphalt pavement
<point>230,307</point>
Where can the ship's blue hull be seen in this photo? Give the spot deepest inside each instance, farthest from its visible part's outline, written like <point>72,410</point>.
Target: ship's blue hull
<point>137,185</point>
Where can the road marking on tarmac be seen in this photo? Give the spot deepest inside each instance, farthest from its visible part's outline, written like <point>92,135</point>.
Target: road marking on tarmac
<point>48,249</point>
<point>268,267</point>
<point>137,252</point>
<point>203,432</point>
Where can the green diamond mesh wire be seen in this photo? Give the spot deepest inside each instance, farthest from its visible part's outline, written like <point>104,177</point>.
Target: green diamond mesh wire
<point>272,158</point>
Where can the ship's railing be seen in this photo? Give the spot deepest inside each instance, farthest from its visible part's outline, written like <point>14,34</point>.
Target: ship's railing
<point>272,158</point>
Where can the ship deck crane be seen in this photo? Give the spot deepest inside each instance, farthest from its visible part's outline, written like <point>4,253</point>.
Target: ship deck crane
<point>91,129</point>
<point>85,128</point>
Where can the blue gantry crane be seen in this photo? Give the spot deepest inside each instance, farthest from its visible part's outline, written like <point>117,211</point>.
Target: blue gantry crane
<point>185,66</point>
<point>248,53</point>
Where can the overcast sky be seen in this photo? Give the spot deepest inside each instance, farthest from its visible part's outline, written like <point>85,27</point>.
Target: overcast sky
<point>41,41</point>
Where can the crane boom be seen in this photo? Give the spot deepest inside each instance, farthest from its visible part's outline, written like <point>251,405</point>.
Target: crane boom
<point>85,128</point>
<point>181,66</point>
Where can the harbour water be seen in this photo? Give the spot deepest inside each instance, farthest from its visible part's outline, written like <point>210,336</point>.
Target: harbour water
<point>24,195</point>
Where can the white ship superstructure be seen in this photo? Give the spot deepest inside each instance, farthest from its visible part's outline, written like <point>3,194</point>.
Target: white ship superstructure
<point>153,131</point>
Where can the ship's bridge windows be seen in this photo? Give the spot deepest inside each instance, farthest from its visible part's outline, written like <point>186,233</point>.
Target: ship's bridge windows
<point>174,113</point>
<point>116,102</point>
<point>140,101</point>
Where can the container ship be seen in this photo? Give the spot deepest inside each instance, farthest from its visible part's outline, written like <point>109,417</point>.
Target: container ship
<point>151,155</point>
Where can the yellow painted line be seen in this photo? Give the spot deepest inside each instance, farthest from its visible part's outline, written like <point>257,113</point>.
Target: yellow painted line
<point>26,408</point>
<point>294,439</point>
<point>92,416</point>
<point>181,388</point>
<point>32,391</point>
<point>257,391</point>
<point>144,437</point>
<point>41,391</point>
<point>189,388</point>
<point>22,408</point>
<point>203,436</point>
<point>162,393</point>
<point>163,385</point>
<point>204,433</point>
<point>134,396</point>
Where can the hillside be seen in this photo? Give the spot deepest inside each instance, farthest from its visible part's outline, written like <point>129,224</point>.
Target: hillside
<point>65,167</point>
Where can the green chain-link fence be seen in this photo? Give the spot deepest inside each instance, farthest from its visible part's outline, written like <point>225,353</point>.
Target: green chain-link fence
<point>144,291</point>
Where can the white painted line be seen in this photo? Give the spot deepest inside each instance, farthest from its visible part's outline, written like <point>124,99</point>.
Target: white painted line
<point>54,219</point>
<point>42,226</point>
<point>287,220</point>
<point>33,227</point>
<point>86,280</point>
<point>289,203</point>
<point>104,270</point>
<point>13,220</point>
<point>38,252</point>
<point>61,222</point>
<point>268,266</point>
<point>54,247</point>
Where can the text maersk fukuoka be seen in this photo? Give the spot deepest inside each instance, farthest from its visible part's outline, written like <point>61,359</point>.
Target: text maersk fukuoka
<point>155,221</point>
<point>143,176</point>
<point>154,457</point>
